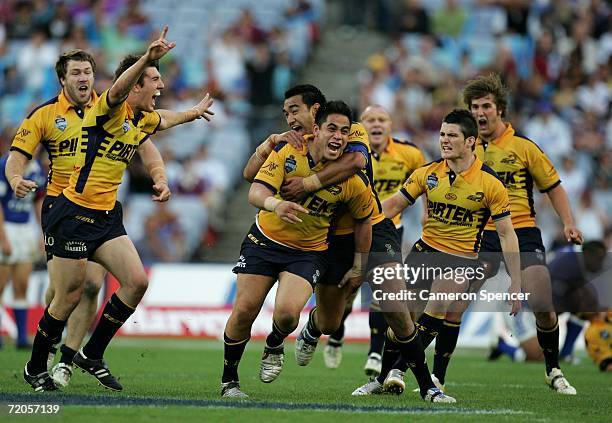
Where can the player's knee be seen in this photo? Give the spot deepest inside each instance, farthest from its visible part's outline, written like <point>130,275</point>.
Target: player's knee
<point>546,320</point>
<point>139,283</point>
<point>73,297</point>
<point>286,320</point>
<point>91,289</point>
<point>329,326</point>
<point>244,313</point>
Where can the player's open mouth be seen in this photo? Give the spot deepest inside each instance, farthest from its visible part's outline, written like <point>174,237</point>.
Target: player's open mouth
<point>334,146</point>
<point>297,128</point>
<point>83,88</point>
<point>482,122</point>
<point>376,132</point>
<point>157,94</point>
<point>446,148</point>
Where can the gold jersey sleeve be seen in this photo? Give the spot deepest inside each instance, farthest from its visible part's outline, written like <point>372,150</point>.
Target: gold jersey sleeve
<point>56,125</point>
<point>415,184</point>
<point>109,139</point>
<point>323,206</point>
<point>540,167</point>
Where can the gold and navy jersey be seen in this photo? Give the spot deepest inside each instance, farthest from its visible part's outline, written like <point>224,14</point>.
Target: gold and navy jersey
<point>110,137</point>
<point>56,124</point>
<point>393,166</point>
<point>520,164</point>
<point>312,233</point>
<point>458,206</point>
<point>598,340</point>
<point>359,142</point>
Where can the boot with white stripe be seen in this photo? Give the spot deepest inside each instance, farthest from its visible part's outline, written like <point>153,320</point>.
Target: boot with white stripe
<point>98,369</point>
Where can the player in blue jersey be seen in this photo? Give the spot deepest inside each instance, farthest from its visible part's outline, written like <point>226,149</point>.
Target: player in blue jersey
<point>19,242</point>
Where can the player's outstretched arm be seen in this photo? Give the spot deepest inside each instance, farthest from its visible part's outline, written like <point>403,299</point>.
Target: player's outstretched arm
<point>170,118</point>
<point>335,172</point>
<point>15,167</point>
<point>394,205</point>
<point>510,248</point>
<point>263,198</point>
<point>122,86</point>
<point>152,159</point>
<point>264,149</point>
<point>559,200</point>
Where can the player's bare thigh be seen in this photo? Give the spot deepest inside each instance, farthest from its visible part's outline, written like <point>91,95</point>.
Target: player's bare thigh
<point>291,296</point>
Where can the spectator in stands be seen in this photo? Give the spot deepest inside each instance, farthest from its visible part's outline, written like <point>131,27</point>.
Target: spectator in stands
<point>550,132</point>
<point>164,239</point>
<point>449,20</point>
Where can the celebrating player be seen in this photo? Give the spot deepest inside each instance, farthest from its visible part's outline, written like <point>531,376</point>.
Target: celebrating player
<point>288,243</point>
<point>85,221</point>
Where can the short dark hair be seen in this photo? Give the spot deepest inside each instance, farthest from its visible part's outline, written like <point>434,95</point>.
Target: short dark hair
<point>61,66</point>
<point>466,122</point>
<point>310,94</point>
<point>336,107</point>
<point>482,86</point>
<point>127,62</point>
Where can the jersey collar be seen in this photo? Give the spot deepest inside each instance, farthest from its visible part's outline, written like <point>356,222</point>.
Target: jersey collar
<point>66,105</point>
<point>506,135</point>
<point>469,174</point>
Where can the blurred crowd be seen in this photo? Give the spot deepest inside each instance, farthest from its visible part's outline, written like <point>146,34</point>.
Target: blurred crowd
<point>554,55</point>
<point>244,52</point>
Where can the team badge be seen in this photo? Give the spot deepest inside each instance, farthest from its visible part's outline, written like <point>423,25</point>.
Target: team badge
<point>450,196</point>
<point>511,159</point>
<point>432,181</point>
<point>290,164</point>
<point>60,123</point>
<point>126,126</point>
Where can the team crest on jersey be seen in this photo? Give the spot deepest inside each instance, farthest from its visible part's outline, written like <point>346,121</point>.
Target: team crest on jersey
<point>126,125</point>
<point>60,123</point>
<point>489,163</point>
<point>478,197</point>
<point>450,196</point>
<point>290,164</point>
<point>432,181</point>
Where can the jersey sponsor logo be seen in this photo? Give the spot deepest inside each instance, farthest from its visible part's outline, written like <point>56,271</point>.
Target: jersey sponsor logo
<point>399,166</point>
<point>60,123</point>
<point>383,185</point>
<point>24,132</point>
<point>85,219</point>
<point>478,197</point>
<point>432,181</point>
<point>241,262</point>
<point>255,240</point>
<point>334,189</point>
<point>121,152</point>
<point>509,178</point>
<point>318,206</point>
<point>126,125</point>
<point>450,196</point>
<point>290,164</point>
<point>450,214</point>
<point>356,135</point>
<point>75,246</point>
<point>67,147</point>
<point>511,159</point>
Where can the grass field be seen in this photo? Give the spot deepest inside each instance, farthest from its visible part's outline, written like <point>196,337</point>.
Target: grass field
<point>178,380</point>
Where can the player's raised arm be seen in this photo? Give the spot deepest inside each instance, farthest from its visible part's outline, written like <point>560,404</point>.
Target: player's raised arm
<point>264,149</point>
<point>170,118</point>
<point>394,205</point>
<point>15,167</point>
<point>154,164</point>
<point>122,86</point>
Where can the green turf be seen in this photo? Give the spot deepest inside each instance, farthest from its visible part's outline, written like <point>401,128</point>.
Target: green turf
<point>154,372</point>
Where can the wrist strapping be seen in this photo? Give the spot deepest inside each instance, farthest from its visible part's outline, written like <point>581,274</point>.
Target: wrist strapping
<point>157,171</point>
<point>271,203</point>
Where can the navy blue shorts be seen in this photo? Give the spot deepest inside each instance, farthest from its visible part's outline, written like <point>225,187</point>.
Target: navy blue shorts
<point>530,244</point>
<point>259,255</point>
<point>76,232</point>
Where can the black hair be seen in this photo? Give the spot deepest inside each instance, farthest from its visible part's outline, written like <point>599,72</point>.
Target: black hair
<point>310,94</point>
<point>336,107</point>
<point>127,62</point>
<point>466,122</point>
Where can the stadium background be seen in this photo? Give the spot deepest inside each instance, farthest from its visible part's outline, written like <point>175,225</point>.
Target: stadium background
<point>411,57</point>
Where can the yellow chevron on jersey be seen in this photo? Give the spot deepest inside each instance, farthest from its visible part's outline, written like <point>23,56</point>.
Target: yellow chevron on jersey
<point>312,233</point>
<point>519,163</point>
<point>359,142</point>
<point>56,124</point>
<point>598,340</point>
<point>393,166</point>
<point>109,139</point>
<point>458,206</point>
